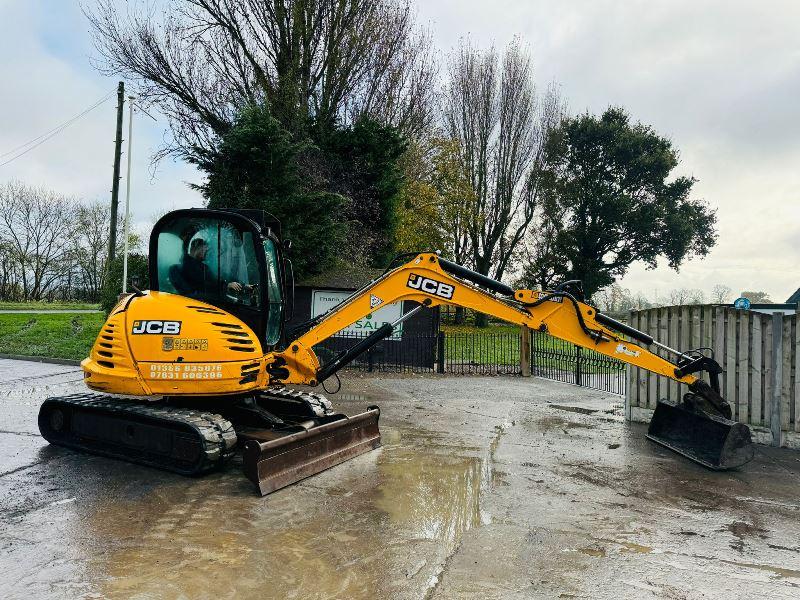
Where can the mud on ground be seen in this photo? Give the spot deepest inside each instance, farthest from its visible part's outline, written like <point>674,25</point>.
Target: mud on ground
<point>484,488</point>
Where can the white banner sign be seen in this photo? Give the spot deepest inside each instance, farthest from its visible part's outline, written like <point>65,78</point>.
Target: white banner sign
<point>324,300</point>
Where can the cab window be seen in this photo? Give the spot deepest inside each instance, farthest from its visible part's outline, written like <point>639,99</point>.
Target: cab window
<point>208,259</point>
<point>275,308</point>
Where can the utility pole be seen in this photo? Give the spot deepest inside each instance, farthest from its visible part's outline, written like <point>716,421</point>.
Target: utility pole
<point>112,238</point>
<point>127,197</point>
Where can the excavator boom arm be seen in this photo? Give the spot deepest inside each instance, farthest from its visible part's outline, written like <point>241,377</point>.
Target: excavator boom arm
<point>432,281</point>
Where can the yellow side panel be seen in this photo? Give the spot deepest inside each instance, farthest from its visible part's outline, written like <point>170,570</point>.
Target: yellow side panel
<point>110,367</point>
<point>165,344</point>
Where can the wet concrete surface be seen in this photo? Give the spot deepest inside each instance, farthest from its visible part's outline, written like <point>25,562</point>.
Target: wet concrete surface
<point>484,488</point>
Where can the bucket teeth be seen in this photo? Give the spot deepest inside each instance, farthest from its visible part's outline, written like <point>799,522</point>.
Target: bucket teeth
<point>710,440</point>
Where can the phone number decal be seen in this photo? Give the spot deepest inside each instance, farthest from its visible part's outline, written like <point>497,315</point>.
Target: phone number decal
<point>194,371</point>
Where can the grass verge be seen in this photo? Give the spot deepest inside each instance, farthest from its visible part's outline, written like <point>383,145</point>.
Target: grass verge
<point>54,336</point>
<point>23,306</point>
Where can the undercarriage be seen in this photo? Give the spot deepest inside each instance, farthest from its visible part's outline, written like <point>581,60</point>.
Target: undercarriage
<point>286,434</point>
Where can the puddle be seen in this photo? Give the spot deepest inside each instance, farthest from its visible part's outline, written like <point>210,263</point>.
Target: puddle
<point>197,542</point>
<point>576,409</point>
<point>553,423</point>
<point>622,547</point>
<point>599,552</point>
<point>779,571</point>
<point>743,532</point>
<point>435,497</point>
<point>388,521</point>
<point>630,547</point>
<point>433,489</point>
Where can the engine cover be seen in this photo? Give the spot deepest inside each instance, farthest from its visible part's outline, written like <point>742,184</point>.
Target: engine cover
<point>165,344</point>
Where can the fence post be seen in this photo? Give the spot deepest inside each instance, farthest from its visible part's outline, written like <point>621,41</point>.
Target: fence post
<point>626,384</point>
<point>440,352</point>
<point>525,351</point>
<point>578,365</point>
<point>777,377</point>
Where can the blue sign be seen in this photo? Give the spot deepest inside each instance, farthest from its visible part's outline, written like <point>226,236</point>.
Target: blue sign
<point>741,303</point>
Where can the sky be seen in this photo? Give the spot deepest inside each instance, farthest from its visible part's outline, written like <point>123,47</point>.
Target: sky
<point>721,79</point>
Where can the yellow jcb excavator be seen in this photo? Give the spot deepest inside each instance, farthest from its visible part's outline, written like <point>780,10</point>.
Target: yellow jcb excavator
<point>185,372</point>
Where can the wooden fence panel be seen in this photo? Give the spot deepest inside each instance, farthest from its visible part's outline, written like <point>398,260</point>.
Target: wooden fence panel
<point>719,340</point>
<point>673,317</point>
<point>652,381</point>
<point>796,413</point>
<point>786,372</point>
<point>767,370</point>
<point>756,375</point>
<point>663,331</point>
<point>742,364</point>
<point>746,344</point>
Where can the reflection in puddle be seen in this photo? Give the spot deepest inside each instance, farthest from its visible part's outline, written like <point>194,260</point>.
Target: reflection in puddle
<point>433,487</point>
<point>345,534</point>
<point>432,491</point>
<point>198,543</point>
<point>436,496</point>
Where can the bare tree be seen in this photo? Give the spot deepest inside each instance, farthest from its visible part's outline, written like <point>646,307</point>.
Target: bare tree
<point>542,264</point>
<point>641,302</point>
<point>90,246</point>
<point>36,228</point>
<point>757,297</point>
<point>721,294</point>
<point>9,273</point>
<point>491,107</point>
<point>201,61</point>
<point>682,296</point>
<point>617,299</point>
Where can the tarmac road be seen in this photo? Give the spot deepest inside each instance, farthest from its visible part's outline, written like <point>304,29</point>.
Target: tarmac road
<point>485,488</point>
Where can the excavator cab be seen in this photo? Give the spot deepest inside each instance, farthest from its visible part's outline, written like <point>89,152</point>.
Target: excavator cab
<point>230,259</point>
<point>197,349</point>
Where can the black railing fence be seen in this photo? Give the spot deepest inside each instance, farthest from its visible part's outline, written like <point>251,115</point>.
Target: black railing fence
<point>413,353</point>
<point>554,359</point>
<point>483,354</point>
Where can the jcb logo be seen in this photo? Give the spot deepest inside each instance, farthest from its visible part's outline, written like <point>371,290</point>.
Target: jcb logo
<point>156,327</point>
<point>430,286</point>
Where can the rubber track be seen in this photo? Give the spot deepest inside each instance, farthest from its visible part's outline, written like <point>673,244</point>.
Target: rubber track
<point>215,434</point>
<point>318,403</point>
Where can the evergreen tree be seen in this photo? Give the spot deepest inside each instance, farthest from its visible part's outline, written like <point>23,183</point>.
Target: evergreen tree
<point>258,165</point>
<point>363,164</point>
<point>610,198</point>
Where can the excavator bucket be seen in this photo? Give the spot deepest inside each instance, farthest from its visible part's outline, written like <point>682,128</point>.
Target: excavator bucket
<point>710,440</point>
<point>275,463</point>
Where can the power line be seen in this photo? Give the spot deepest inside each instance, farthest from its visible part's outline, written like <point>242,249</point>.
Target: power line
<point>38,141</point>
<point>59,127</point>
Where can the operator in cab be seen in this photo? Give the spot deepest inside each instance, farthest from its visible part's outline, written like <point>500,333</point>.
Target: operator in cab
<point>193,278</point>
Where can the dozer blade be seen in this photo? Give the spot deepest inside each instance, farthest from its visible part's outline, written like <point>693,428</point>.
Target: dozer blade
<point>277,463</point>
<point>710,440</point>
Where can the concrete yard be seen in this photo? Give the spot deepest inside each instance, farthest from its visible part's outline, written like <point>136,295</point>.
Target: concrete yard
<point>484,488</point>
